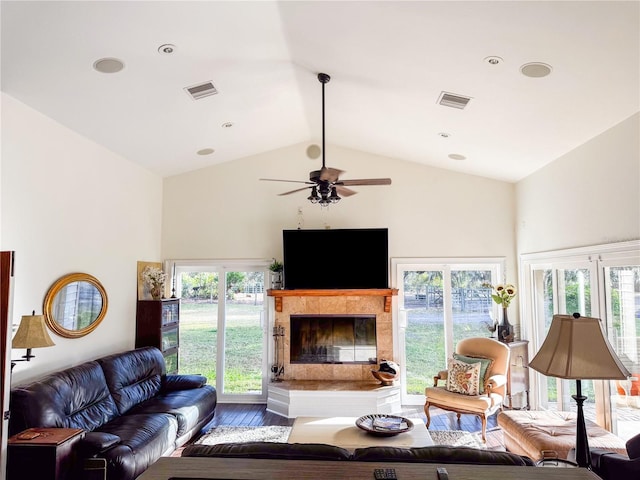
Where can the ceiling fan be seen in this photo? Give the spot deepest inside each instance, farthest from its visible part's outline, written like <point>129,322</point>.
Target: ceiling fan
<point>325,184</point>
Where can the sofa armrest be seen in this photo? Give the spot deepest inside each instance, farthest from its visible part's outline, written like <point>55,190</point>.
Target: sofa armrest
<point>94,443</point>
<point>613,466</point>
<point>633,447</point>
<point>182,382</point>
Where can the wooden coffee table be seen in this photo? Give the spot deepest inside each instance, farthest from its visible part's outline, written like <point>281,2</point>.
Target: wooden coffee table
<point>342,432</point>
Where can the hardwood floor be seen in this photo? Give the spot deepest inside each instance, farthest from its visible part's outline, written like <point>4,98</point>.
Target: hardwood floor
<point>256,415</point>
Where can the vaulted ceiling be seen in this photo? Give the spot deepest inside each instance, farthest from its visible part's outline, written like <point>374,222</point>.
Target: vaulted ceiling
<point>389,63</point>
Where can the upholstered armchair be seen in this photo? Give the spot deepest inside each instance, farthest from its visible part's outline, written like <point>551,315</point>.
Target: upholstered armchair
<point>474,382</point>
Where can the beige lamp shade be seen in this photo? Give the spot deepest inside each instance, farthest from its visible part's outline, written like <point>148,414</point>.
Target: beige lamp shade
<point>576,348</point>
<point>32,333</point>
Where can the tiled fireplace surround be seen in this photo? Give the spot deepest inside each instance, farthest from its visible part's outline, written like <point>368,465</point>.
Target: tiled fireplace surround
<point>348,302</point>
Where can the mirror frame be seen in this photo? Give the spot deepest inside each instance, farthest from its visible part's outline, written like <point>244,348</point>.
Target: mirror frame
<point>55,289</point>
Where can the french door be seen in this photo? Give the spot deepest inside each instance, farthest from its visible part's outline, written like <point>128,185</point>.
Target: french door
<point>223,331</point>
<point>602,282</point>
<point>440,302</point>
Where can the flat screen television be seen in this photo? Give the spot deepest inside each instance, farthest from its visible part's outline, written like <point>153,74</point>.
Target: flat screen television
<point>336,258</point>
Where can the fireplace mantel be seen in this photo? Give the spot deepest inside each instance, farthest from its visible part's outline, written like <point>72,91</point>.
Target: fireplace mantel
<point>387,293</point>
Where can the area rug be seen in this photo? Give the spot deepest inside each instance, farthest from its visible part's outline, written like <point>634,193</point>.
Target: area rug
<point>456,438</point>
<point>276,434</point>
<point>279,434</point>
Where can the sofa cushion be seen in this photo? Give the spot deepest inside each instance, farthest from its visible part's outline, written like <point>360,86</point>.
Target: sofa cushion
<point>143,439</point>
<point>77,397</point>
<point>272,450</point>
<point>133,376</point>
<point>186,405</point>
<point>439,454</point>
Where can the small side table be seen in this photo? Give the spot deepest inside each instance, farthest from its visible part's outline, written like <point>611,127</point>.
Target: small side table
<point>43,453</point>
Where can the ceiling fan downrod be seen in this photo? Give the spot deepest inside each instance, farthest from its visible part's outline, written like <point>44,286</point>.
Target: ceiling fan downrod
<point>323,78</point>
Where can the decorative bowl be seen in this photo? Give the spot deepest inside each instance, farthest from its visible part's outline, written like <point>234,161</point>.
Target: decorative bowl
<point>384,425</point>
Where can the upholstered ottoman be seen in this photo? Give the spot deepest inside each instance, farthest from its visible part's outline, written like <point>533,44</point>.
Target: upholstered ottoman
<point>530,432</point>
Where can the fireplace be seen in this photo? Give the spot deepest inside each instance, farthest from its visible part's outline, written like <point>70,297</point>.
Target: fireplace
<point>334,338</point>
<point>364,303</point>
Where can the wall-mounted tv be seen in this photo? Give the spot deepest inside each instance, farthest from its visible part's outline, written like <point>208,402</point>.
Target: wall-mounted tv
<point>336,258</point>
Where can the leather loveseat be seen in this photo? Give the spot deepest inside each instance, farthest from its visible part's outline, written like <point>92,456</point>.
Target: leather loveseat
<point>611,465</point>
<point>318,451</point>
<point>131,410</point>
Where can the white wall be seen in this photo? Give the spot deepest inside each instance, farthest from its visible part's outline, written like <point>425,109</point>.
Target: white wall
<point>224,211</point>
<point>69,205</point>
<point>589,196</point>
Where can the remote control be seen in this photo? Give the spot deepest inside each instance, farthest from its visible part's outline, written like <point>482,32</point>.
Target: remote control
<point>442,473</point>
<point>385,474</point>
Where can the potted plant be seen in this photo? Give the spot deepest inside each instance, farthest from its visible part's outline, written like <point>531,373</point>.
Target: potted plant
<point>276,269</point>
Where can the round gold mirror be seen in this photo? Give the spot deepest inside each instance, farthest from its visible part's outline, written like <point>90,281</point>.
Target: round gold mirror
<point>75,305</point>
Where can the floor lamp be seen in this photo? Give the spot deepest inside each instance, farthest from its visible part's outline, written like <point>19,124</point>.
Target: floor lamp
<point>576,348</point>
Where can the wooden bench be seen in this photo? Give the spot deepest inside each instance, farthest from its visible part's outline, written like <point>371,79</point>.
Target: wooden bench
<point>534,433</point>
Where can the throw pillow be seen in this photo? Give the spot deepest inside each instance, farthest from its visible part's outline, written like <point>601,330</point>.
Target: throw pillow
<point>463,377</point>
<point>485,363</point>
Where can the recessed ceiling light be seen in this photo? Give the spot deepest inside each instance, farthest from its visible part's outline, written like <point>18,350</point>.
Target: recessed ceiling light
<point>444,134</point>
<point>457,156</point>
<point>227,125</point>
<point>166,49</point>
<point>535,69</point>
<point>493,60</point>
<point>205,151</point>
<point>108,65</point>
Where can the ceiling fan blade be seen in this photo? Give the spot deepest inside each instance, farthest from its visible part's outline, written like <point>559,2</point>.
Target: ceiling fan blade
<point>293,191</point>
<point>290,181</point>
<point>366,181</point>
<point>330,174</point>
<point>344,191</point>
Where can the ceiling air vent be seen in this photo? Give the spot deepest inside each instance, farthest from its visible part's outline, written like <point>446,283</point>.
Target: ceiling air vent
<point>201,90</point>
<point>453,100</point>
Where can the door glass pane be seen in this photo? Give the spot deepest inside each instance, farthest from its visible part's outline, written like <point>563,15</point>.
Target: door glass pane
<point>472,306</point>
<point>198,323</point>
<point>243,339</point>
<point>574,286</point>
<point>424,335</point>
<point>623,310</point>
<point>543,308</point>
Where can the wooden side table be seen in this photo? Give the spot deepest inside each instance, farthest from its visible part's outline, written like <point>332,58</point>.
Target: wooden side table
<point>45,453</point>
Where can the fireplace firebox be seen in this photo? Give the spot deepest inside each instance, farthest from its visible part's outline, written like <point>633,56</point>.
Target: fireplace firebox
<point>333,339</point>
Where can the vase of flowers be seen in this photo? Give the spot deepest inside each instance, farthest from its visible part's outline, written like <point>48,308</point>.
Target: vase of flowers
<point>154,279</point>
<point>502,294</point>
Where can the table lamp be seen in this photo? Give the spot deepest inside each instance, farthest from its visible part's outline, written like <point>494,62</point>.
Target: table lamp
<point>32,333</point>
<point>576,348</point>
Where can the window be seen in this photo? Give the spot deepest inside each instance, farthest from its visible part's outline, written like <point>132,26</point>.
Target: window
<point>600,281</point>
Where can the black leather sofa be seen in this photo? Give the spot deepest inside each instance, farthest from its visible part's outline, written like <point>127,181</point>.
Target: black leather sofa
<point>615,466</point>
<point>318,451</point>
<point>132,411</point>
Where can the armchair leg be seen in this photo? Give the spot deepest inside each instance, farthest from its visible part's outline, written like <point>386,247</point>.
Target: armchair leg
<point>484,428</point>
<point>426,412</point>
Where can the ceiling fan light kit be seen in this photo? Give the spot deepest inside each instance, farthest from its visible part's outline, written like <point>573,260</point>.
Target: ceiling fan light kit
<point>325,184</point>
